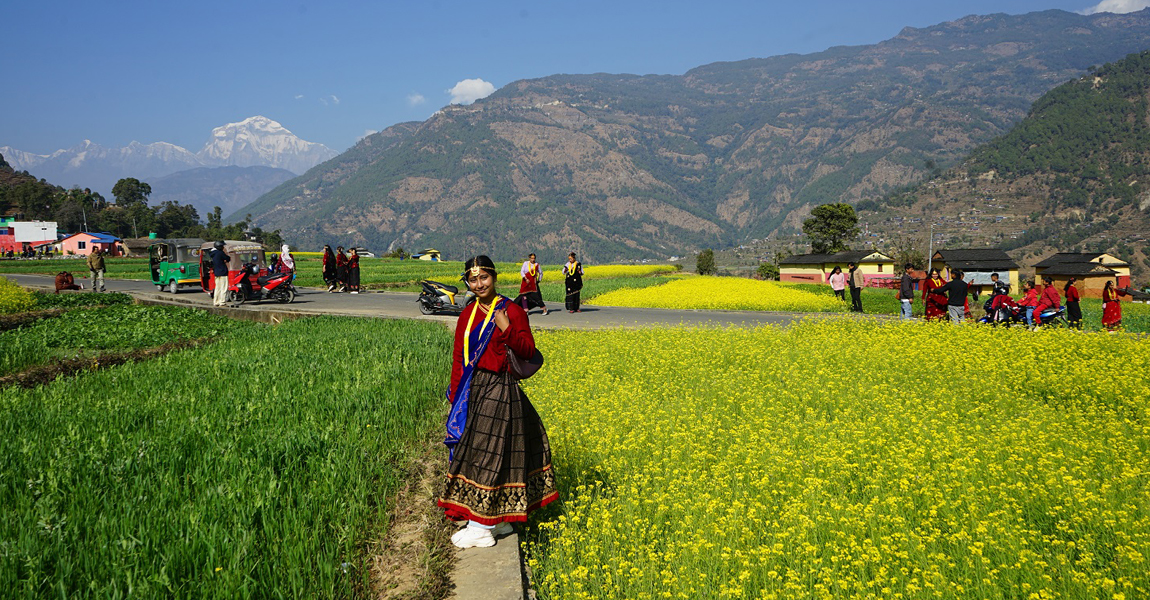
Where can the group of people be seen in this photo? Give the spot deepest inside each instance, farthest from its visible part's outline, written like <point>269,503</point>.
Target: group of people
<point>531,274</point>
<point>950,299</point>
<point>853,279</point>
<point>341,271</point>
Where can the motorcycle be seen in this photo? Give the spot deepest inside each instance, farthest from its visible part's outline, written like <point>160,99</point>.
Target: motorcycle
<point>437,297</point>
<point>1052,317</point>
<point>276,286</point>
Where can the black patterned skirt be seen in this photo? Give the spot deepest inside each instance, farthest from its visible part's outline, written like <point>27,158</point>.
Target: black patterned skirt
<point>502,465</point>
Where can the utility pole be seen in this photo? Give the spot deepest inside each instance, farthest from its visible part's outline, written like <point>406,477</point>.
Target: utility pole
<point>930,251</point>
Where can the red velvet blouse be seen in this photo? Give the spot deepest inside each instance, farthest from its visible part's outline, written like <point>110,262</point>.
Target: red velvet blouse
<point>1072,294</point>
<point>517,336</point>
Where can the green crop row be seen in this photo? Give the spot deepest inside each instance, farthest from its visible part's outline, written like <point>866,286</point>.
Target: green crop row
<point>84,332</point>
<point>256,467</point>
<point>46,300</point>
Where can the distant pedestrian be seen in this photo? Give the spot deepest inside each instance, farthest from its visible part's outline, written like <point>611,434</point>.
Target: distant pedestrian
<point>933,305</point>
<point>1111,307</point>
<point>329,273</point>
<point>573,279</point>
<point>65,281</point>
<point>906,292</point>
<point>1048,301</point>
<point>1029,301</point>
<point>353,271</point>
<point>340,269</point>
<point>96,269</point>
<point>1073,308</point>
<point>531,273</point>
<point>838,283</point>
<point>999,287</point>
<point>287,261</point>
<point>856,281</point>
<point>220,272</point>
<point>955,290</point>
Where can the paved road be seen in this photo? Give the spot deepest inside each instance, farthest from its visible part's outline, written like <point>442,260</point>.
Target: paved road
<point>402,305</point>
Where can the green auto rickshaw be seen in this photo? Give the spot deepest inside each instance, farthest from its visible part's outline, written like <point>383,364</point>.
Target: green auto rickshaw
<point>174,263</point>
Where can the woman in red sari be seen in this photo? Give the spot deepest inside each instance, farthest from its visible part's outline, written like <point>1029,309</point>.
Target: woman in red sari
<point>500,460</point>
<point>529,296</point>
<point>935,303</point>
<point>1111,307</point>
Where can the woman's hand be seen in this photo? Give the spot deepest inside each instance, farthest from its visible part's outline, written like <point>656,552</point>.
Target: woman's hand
<point>501,320</point>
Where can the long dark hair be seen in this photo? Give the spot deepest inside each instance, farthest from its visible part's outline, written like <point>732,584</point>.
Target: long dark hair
<point>1069,282</point>
<point>1109,284</point>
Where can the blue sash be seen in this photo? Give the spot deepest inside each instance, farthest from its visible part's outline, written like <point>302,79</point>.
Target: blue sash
<point>457,418</point>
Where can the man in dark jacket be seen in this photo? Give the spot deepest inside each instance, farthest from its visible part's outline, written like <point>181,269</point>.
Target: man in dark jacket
<point>906,292</point>
<point>220,272</point>
<point>856,281</point>
<point>955,289</point>
<point>96,269</point>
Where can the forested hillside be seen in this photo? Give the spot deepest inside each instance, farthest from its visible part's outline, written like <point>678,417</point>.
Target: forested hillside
<point>1073,175</point>
<point>625,166</point>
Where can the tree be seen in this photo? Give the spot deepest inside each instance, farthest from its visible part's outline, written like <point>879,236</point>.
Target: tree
<point>705,263</point>
<point>768,272</point>
<point>909,251</point>
<point>132,196</point>
<point>830,227</point>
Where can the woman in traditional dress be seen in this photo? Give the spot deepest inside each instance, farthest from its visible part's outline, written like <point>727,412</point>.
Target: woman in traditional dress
<point>353,271</point>
<point>500,459</point>
<point>340,269</point>
<point>838,283</point>
<point>1073,309</point>
<point>934,304</point>
<point>329,273</point>
<point>529,297</point>
<point>287,261</point>
<point>1111,307</point>
<point>573,278</point>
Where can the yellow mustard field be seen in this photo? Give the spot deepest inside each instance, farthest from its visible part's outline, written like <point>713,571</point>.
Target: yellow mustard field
<point>555,273</point>
<point>13,298</point>
<point>721,293</point>
<point>845,459</point>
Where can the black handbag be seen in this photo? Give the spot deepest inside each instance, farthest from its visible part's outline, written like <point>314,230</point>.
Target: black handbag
<point>524,368</point>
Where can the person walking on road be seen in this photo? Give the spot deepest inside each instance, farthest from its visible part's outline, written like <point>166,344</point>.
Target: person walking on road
<point>906,292</point>
<point>499,468</point>
<point>573,279</point>
<point>838,283</point>
<point>96,269</point>
<point>353,271</point>
<point>287,261</point>
<point>220,272</point>
<point>340,269</point>
<point>329,275</point>
<point>956,290</point>
<point>856,281</point>
<point>529,296</point>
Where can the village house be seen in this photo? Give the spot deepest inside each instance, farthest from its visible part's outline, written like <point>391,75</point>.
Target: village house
<point>877,268</point>
<point>82,244</point>
<point>977,265</point>
<point>18,236</point>
<point>1091,269</point>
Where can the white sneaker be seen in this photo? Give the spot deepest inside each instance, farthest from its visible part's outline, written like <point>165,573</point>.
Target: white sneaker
<point>354,292</point>
<point>503,529</point>
<point>473,537</point>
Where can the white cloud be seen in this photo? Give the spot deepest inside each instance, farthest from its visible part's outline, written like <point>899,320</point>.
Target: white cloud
<point>367,132</point>
<point>299,96</point>
<point>328,100</point>
<point>470,90</point>
<point>335,99</point>
<point>1117,6</point>
<point>415,99</point>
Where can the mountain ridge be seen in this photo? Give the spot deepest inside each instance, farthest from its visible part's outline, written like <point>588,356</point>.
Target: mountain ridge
<point>629,166</point>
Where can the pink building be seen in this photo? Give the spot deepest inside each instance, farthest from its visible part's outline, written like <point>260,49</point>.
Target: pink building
<point>83,244</point>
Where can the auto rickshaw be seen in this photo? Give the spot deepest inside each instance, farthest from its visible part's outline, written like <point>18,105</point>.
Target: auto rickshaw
<point>239,253</point>
<point>174,263</point>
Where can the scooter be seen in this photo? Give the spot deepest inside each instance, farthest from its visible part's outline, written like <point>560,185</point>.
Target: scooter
<point>1052,317</point>
<point>439,297</point>
<point>276,287</point>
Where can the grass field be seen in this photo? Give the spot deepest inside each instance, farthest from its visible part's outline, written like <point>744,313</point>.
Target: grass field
<point>844,459</point>
<point>259,466</point>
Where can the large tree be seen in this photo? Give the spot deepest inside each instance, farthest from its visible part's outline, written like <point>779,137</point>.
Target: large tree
<point>830,227</point>
<point>132,196</point>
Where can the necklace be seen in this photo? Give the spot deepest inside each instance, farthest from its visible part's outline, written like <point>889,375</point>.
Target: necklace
<point>471,323</point>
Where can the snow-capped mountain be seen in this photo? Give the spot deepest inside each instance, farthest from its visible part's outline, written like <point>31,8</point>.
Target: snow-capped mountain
<point>257,141</point>
<point>260,141</point>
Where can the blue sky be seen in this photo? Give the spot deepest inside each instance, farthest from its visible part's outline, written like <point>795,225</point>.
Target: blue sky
<point>114,72</point>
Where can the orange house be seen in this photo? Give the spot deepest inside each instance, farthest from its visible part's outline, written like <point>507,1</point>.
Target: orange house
<point>83,243</point>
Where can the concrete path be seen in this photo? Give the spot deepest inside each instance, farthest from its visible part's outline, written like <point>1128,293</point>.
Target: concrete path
<point>402,305</point>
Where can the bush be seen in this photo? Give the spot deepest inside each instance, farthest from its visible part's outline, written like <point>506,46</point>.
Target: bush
<point>13,298</point>
<point>768,272</point>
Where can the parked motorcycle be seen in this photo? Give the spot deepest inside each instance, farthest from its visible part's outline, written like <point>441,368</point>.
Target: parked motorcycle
<point>276,287</point>
<point>437,297</point>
